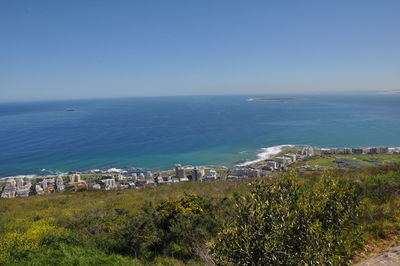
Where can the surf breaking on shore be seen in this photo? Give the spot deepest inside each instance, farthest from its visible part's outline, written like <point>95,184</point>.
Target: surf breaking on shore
<point>267,153</point>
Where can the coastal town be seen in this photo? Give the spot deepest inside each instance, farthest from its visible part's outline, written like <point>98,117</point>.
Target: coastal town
<point>297,157</point>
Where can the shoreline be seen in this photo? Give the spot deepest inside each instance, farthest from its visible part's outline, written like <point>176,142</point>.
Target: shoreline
<point>264,153</point>
<point>269,162</point>
<point>267,153</point>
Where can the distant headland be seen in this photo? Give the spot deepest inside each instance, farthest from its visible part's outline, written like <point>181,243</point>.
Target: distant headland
<point>389,92</point>
<point>275,99</point>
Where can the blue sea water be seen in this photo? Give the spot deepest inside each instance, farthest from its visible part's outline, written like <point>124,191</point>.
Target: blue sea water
<point>158,132</point>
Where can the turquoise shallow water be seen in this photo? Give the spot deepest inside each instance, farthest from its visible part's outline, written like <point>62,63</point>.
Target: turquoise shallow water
<point>156,133</point>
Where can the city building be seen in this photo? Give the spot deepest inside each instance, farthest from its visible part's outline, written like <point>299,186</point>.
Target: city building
<point>74,178</point>
<point>149,178</point>
<point>10,189</point>
<point>109,184</point>
<point>383,150</point>
<point>59,183</point>
<point>357,150</point>
<point>292,157</point>
<point>197,174</point>
<point>211,175</point>
<point>282,161</point>
<point>179,172</point>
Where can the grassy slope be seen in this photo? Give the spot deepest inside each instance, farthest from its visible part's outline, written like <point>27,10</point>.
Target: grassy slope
<point>60,205</point>
<point>381,218</point>
<point>327,161</point>
<point>20,214</point>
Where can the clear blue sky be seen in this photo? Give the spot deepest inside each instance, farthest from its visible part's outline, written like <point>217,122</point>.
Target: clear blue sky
<point>87,49</point>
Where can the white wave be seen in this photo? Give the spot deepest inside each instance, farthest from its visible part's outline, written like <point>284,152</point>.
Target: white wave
<point>115,170</point>
<point>267,153</point>
<point>51,172</point>
<point>95,171</point>
<point>18,176</point>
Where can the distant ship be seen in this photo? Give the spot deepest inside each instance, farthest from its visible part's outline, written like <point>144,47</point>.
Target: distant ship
<point>69,109</point>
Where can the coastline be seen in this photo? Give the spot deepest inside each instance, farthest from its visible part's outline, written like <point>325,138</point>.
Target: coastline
<point>270,162</point>
<point>263,154</point>
<point>267,153</point>
<point>187,130</point>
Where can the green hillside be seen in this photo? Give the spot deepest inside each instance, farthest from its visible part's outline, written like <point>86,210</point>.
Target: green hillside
<point>332,217</point>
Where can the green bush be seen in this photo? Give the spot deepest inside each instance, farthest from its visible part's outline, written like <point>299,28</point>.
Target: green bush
<point>282,223</point>
<point>97,228</point>
<point>177,228</point>
<point>138,235</point>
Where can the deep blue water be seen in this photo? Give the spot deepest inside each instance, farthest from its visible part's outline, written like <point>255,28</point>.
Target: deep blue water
<point>156,133</point>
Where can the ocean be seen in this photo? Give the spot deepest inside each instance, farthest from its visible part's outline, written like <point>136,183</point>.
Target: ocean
<point>158,132</point>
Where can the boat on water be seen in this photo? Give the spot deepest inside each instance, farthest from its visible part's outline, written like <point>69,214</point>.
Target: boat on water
<point>69,109</point>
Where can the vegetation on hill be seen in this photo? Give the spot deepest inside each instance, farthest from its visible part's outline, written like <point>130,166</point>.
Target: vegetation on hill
<point>281,222</point>
<point>320,218</point>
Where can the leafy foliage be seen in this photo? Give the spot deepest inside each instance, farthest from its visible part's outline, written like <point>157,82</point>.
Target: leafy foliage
<point>282,223</point>
<point>177,228</point>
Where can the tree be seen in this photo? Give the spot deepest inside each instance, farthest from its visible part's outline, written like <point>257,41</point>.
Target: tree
<point>280,222</point>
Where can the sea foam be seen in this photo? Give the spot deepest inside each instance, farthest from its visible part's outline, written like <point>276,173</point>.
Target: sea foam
<point>267,153</point>
<point>18,176</point>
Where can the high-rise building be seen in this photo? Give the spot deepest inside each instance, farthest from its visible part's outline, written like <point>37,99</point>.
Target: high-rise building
<point>197,174</point>
<point>179,172</point>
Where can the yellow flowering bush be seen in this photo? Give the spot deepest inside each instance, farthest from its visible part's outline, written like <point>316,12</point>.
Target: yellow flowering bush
<point>31,239</point>
<point>187,205</point>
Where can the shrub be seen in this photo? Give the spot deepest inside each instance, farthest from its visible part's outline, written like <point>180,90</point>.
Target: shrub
<point>177,228</point>
<point>184,226</point>
<point>19,243</point>
<point>282,223</point>
<point>138,235</point>
<point>97,228</point>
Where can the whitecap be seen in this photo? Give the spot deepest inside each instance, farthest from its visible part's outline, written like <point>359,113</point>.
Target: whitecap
<point>19,176</point>
<point>115,170</point>
<point>267,153</point>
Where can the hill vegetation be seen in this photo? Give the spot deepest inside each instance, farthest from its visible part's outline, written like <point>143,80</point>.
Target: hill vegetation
<point>328,217</point>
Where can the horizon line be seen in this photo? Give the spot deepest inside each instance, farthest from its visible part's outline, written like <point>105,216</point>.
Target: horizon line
<point>198,95</point>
